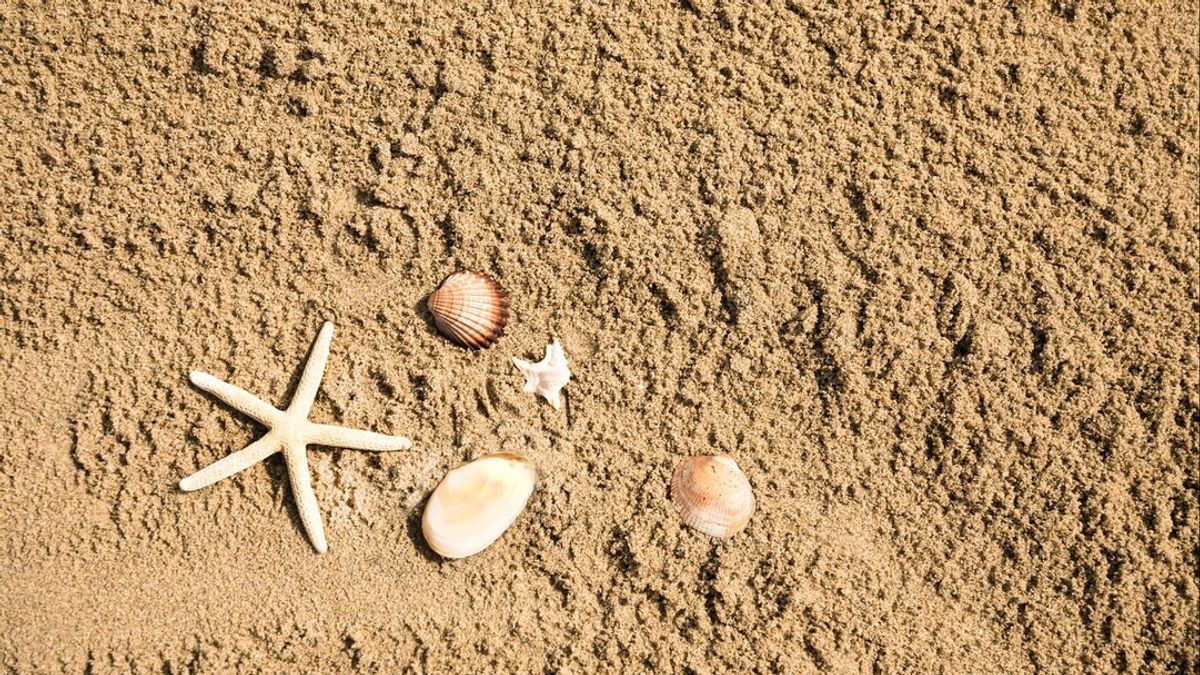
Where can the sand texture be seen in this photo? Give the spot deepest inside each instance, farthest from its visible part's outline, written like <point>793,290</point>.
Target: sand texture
<point>928,271</point>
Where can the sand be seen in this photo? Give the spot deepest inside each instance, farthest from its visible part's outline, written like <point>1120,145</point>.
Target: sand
<point>928,272</point>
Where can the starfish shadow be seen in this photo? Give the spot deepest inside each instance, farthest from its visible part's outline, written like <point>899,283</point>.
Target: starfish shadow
<point>412,527</point>
<point>294,380</point>
<point>249,423</point>
<point>277,471</point>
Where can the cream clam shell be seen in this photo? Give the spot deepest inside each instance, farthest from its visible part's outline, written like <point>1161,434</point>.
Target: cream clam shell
<point>470,308</point>
<point>476,502</point>
<point>712,495</point>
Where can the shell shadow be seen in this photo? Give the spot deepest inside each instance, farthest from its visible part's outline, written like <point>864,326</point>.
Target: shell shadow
<point>421,309</point>
<point>412,527</point>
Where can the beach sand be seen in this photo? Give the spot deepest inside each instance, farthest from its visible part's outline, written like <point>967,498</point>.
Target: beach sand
<point>929,273</point>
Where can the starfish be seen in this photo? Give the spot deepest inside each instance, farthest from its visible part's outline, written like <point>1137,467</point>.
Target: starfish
<point>290,431</point>
<point>548,376</point>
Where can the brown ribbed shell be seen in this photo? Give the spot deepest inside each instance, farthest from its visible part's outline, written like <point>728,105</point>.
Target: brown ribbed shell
<point>712,495</point>
<point>470,308</point>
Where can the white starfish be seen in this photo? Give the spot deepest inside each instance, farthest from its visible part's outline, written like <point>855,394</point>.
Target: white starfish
<point>290,431</point>
<point>548,376</point>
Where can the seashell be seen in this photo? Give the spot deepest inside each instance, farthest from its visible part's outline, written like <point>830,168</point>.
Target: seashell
<point>475,503</point>
<point>470,308</point>
<point>712,495</point>
<point>548,376</point>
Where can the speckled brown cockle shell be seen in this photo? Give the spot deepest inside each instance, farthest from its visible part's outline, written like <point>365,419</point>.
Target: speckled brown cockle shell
<point>470,308</point>
<point>712,495</point>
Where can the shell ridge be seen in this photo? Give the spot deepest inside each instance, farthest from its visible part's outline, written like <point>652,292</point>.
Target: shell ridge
<point>470,308</point>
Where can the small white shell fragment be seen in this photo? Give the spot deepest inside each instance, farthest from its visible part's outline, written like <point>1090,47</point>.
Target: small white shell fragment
<point>548,376</point>
<point>712,495</point>
<point>476,502</point>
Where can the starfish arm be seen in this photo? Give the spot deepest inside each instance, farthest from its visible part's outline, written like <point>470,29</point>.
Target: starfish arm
<point>310,380</point>
<point>227,466</point>
<point>306,500</point>
<point>342,437</point>
<point>552,396</point>
<point>237,398</point>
